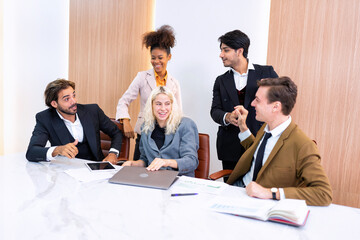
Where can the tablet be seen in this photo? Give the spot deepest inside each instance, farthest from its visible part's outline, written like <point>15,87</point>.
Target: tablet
<point>100,166</point>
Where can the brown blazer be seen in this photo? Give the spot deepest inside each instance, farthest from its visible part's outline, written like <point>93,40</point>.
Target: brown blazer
<point>293,164</point>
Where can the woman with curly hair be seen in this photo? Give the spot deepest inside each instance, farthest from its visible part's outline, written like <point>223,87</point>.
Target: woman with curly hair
<point>168,140</point>
<point>160,42</point>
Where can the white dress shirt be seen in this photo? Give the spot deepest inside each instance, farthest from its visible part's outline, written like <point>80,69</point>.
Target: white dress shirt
<point>275,135</point>
<point>240,81</point>
<point>77,132</point>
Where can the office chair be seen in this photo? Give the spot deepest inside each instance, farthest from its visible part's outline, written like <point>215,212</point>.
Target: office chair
<point>202,171</point>
<point>106,143</point>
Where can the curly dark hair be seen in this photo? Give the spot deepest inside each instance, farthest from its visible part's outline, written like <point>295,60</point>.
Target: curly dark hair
<point>163,38</point>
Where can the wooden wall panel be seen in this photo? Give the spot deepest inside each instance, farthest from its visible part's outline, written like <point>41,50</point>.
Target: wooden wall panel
<point>106,49</point>
<point>317,44</point>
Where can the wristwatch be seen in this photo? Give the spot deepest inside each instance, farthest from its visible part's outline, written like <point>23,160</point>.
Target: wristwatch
<point>116,153</point>
<point>274,191</point>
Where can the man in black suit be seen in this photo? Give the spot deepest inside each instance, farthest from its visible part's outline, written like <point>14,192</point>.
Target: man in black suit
<point>235,87</point>
<point>72,129</point>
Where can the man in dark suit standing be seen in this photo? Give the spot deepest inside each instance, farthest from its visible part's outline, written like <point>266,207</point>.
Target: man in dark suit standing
<point>72,129</point>
<point>235,87</point>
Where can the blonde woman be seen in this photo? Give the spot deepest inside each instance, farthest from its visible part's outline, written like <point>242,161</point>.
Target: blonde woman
<point>168,140</point>
<point>160,43</point>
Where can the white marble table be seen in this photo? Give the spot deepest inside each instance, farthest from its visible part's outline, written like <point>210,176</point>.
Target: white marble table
<point>40,201</point>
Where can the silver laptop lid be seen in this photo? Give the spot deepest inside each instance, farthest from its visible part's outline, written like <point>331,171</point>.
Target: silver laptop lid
<point>139,176</point>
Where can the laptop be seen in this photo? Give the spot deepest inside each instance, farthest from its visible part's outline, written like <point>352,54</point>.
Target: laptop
<point>139,176</point>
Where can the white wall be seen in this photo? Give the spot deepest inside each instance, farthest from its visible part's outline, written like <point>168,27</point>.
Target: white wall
<point>36,49</point>
<point>195,62</point>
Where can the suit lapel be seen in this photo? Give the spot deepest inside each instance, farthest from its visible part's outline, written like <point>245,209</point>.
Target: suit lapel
<point>250,86</point>
<point>277,147</point>
<point>170,82</point>
<point>151,142</point>
<point>150,79</point>
<point>168,139</point>
<point>88,128</point>
<point>60,129</point>
<point>230,87</point>
<point>245,161</point>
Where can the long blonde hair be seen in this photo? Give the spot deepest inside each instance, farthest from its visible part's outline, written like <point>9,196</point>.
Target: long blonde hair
<point>175,116</point>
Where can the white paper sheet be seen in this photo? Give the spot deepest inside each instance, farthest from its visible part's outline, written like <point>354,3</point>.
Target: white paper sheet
<point>85,175</point>
<point>196,185</point>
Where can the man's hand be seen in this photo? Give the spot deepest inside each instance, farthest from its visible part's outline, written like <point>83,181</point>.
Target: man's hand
<point>232,118</point>
<point>128,130</point>
<point>69,150</point>
<point>256,190</point>
<point>112,158</point>
<point>241,115</point>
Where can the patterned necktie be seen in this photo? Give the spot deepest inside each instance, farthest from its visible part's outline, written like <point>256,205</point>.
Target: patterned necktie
<point>260,156</point>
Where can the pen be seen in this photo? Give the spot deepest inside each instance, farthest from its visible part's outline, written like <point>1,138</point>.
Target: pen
<point>182,194</point>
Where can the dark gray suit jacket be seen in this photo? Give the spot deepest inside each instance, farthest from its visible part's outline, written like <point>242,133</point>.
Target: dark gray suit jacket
<point>224,100</point>
<point>181,146</point>
<point>50,127</point>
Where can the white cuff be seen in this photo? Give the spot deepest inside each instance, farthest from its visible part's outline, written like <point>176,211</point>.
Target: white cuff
<point>244,135</point>
<point>226,124</point>
<point>282,193</point>
<point>114,150</point>
<point>49,156</point>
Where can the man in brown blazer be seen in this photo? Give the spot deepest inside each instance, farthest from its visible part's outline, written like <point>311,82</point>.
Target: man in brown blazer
<point>281,161</point>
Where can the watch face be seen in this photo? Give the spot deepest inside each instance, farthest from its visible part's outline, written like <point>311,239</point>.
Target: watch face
<point>273,190</point>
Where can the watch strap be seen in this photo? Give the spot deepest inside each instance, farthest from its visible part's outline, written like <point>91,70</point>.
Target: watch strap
<point>116,153</point>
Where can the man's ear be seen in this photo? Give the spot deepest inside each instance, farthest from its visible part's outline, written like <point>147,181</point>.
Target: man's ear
<point>240,52</point>
<point>277,106</point>
<point>54,104</point>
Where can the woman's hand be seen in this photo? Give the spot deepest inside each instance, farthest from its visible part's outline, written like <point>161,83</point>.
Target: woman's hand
<point>127,163</point>
<point>128,130</point>
<point>131,163</point>
<point>158,163</point>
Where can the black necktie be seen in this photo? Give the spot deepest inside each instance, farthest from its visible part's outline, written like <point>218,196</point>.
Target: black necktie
<point>260,156</point>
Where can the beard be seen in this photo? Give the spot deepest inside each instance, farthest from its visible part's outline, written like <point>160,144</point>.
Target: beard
<point>67,111</point>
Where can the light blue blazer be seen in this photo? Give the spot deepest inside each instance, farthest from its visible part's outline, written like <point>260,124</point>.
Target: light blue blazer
<point>181,146</point>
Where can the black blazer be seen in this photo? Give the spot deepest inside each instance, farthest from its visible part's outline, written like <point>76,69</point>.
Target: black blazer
<point>224,100</point>
<point>50,127</point>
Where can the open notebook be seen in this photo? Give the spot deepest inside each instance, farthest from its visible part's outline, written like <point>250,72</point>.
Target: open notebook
<point>288,211</point>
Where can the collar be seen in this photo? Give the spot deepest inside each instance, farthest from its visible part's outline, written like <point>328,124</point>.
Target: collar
<point>279,129</point>
<point>77,120</point>
<point>158,77</point>
<point>250,67</point>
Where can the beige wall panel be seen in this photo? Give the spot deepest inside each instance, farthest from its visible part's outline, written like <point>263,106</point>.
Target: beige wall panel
<point>317,44</point>
<point>106,49</point>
